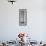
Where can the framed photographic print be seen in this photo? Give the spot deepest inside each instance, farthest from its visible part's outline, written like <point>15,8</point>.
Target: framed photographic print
<point>22,17</point>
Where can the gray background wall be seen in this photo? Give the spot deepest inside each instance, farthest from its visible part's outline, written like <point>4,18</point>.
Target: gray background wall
<point>36,19</point>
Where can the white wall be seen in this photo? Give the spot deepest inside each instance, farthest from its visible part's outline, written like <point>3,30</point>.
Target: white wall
<point>39,19</point>
<point>36,19</point>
